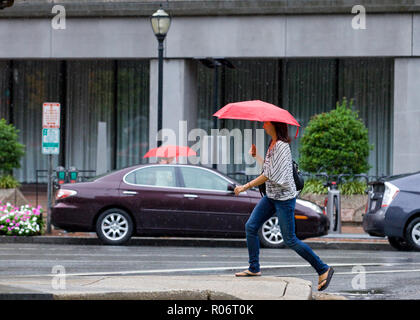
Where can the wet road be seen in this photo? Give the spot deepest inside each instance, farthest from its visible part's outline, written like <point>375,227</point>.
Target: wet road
<point>358,274</point>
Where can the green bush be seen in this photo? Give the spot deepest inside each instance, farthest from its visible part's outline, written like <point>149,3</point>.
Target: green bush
<point>335,142</point>
<point>11,151</point>
<point>352,187</point>
<point>8,182</point>
<point>316,186</point>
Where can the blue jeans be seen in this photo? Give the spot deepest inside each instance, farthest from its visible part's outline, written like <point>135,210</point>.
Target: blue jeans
<point>285,211</point>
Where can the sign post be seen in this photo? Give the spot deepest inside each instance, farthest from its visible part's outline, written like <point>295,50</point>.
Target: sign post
<point>50,146</point>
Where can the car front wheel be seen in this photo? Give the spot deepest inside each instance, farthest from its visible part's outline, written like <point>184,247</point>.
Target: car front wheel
<point>270,234</point>
<point>413,234</point>
<point>114,227</point>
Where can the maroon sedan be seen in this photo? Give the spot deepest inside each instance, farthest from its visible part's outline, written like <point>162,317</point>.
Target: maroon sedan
<point>171,200</point>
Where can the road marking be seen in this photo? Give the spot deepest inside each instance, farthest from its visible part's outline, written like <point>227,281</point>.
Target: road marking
<point>199,269</point>
<point>210,256</point>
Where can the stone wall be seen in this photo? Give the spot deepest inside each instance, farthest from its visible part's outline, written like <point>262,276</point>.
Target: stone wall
<point>14,196</point>
<point>352,207</point>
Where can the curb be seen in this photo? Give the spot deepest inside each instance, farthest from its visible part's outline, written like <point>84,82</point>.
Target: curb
<point>154,295</point>
<point>194,242</point>
<point>26,296</point>
<point>213,287</point>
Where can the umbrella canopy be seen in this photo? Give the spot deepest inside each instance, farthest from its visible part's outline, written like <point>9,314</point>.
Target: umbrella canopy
<point>256,110</point>
<point>169,151</point>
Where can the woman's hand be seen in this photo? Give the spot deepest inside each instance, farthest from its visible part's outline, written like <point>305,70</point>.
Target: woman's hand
<point>239,189</point>
<point>253,151</point>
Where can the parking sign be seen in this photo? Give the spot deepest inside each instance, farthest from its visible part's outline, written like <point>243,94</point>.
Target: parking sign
<point>50,141</point>
<point>50,128</point>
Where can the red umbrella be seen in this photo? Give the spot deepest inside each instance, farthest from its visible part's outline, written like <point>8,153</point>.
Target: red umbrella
<point>256,110</point>
<point>169,151</point>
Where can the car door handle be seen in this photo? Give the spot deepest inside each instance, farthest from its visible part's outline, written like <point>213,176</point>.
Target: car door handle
<point>129,192</point>
<point>190,196</point>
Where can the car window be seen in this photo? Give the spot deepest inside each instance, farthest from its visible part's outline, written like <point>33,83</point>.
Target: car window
<point>196,178</point>
<point>159,176</point>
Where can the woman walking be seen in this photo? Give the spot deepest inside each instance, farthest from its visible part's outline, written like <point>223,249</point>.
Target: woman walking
<point>280,199</point>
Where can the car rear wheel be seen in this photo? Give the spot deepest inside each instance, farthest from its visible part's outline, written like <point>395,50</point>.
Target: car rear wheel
<point>270,234</point>
<point>114,227</point>
<point>399,244</point>
<point>413,234</point>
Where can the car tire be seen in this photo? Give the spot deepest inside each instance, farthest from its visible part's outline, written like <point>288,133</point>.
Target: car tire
<point>399,243</point>
<point>114,227</point>
<point>270,234</point>
<point>412,234</point>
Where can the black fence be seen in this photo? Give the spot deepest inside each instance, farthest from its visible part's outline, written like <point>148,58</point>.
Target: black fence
<point>82,176</point>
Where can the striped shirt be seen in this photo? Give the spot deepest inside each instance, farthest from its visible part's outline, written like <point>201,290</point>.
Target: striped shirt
<point>279,171</point>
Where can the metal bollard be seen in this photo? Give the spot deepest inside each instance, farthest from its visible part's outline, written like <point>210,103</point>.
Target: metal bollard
<point>334,208</point>
<point>333,205</point>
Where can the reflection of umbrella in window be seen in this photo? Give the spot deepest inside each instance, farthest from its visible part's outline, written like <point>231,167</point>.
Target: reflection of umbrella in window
<point>256,110</point>
<point>170,151</point>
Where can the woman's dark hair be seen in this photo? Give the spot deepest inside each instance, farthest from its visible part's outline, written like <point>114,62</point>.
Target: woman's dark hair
<point>282,131</point>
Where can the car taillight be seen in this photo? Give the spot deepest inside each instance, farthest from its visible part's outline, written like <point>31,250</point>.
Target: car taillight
<point>64,193</point>
<point>390,193</point>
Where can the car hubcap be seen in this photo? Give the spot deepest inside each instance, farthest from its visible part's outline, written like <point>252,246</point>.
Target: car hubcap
<point>114,226</point>
<point>271,231</point>
<point>415,234</point>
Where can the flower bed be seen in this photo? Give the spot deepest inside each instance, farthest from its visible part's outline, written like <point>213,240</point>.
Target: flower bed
<point>23,221</point>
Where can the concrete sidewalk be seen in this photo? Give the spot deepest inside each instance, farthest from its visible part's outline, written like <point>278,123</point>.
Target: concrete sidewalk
<point>207,287</point>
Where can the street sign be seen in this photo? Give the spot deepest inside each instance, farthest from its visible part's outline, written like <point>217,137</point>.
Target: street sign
<point>51,115</point>
<point>51,128</point>
<point>50,141</point>
<point>50,145</point>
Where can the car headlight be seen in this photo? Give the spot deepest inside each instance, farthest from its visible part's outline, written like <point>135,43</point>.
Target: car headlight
<point>311,206</point>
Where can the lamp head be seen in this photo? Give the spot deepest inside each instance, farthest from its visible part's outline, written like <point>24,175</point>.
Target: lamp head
<point>161,21</point>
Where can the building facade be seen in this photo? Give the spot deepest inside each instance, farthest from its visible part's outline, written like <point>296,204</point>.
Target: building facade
<point>301,55</point>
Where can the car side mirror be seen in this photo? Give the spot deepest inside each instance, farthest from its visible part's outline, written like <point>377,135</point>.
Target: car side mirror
<point>231,187</point>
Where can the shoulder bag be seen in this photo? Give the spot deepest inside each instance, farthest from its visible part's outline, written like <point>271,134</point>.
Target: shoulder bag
<point>299,182</point>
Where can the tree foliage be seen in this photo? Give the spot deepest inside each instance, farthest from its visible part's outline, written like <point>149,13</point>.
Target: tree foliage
<point>11,151</point>
<point>335,142</point>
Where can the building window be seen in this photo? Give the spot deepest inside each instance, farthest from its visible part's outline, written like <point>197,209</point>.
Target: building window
<point>307,87</point>
<point>90,91</point>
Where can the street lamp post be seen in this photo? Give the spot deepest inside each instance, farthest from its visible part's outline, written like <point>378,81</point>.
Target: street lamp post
<point>161,22</point>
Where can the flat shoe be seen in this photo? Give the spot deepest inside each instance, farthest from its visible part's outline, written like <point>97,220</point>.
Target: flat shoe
<point>327,280</point>
<point>248,273</point>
